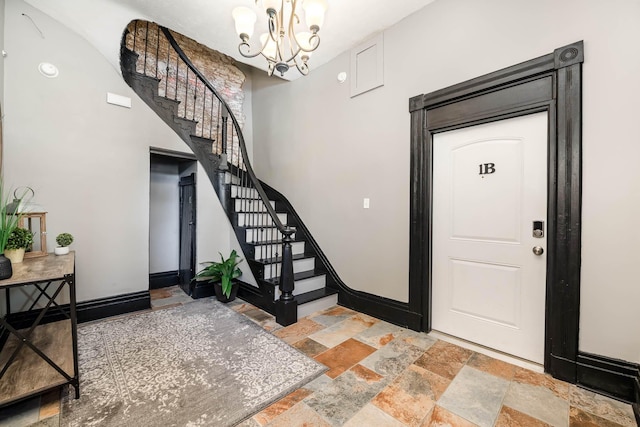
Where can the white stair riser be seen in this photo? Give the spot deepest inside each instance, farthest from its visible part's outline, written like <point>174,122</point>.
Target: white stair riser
<point>256,220</point>
<point>228,179</point>
<point>244,192</point>
<point>305,285</point>
<point>320,304</point>
<point>254,235</point>
<point>270,251</point>
<point>252,205</point>
<point>299,265</point>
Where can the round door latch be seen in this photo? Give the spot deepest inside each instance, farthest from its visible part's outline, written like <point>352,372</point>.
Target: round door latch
<point>538,250</point>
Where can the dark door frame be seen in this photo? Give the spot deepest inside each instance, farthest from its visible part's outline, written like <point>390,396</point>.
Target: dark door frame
<point>552,84</point>
<point>185,275</point>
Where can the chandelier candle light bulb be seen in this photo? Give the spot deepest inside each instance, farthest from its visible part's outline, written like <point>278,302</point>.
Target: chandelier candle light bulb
<point>282,46</point>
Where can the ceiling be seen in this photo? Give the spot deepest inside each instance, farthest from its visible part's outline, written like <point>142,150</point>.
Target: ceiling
<point>101,22</point>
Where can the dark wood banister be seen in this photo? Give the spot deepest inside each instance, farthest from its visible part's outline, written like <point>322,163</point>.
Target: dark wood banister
<point>287,231</point>
<point>286,306</point>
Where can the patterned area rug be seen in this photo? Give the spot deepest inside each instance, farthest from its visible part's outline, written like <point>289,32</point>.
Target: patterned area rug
<point>200,364</point>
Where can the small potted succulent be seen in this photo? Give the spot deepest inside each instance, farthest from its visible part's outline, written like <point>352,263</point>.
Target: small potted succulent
<point>63,240</point>
<point>222,275</point>
<point>18,242</point>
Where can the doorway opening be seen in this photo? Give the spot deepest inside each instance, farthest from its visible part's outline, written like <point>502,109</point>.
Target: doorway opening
<point>172,220</point>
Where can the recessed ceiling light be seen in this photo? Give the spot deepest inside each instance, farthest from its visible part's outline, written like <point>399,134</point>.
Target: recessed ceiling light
<point>48,70</point>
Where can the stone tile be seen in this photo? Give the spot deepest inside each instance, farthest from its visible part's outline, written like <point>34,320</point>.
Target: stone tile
<point>340,399</point>
<point>344,356</point>
<point>580,418</point>
<point>342,331</point>
<point>411,396</point>
<point>538,402</point>
<point>49,404</point>
<point>156,294</point>
<point>300,415</point>
<point>602,406</point>
<point>268,414</point>
<point>258,315</point>
<point>172,300</point>
<point>492,366</point>
<point>509,417</point>
<point>366,374</point>
<point>525,376</point>
<point>372,416</point>
<point>444,359</point>
<point>440,417</point>
<point>379,334</point>
<point>416,339</point>
<point>240,306</point>
<point>310,347</point>
<point>392,359</point>
<point>21,414</point>
<point>319,383</point>
<point>332,315</point>
<point>53,421</point>
<point>475,396</point>
<point>298,331</point>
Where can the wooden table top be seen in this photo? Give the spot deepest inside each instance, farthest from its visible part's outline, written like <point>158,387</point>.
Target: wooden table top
<point>40,269</point>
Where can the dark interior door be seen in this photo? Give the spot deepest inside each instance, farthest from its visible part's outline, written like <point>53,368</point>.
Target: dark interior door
<point>187,262</point>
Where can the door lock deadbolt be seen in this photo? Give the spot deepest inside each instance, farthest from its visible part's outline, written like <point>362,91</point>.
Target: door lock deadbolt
<point>538,229</point>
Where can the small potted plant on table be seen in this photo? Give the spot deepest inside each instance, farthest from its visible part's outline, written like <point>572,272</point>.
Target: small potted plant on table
<point>222,275</point>
<point>19,240</point>
<point>63,240</point>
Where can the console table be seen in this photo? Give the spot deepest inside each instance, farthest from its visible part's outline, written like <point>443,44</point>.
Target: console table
<point>41,351</point>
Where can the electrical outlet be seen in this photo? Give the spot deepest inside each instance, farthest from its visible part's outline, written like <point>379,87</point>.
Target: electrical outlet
<point>365,203</point>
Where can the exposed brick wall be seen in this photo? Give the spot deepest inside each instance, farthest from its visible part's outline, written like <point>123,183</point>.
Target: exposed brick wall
<point>219,69</point>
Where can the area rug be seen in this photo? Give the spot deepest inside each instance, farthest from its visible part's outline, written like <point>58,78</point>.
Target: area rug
<point>200,364</point>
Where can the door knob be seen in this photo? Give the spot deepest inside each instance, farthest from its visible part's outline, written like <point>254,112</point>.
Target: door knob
<point>538,250</point>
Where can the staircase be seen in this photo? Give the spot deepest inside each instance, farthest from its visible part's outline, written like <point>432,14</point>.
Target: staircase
<point>293,275</point>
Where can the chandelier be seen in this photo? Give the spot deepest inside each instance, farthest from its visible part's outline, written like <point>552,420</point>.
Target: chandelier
<point>283,46</point>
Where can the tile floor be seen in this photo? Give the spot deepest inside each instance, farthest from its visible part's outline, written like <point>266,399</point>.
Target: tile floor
<point>382,375</point>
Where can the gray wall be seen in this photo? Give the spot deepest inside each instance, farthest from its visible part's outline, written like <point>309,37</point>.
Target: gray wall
<point>88,161</point>
<point>326,151</point>
<point>164,217</point>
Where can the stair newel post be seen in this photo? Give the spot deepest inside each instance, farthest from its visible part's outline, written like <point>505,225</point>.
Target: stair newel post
<point>223,155</point>
<point>287,306</point>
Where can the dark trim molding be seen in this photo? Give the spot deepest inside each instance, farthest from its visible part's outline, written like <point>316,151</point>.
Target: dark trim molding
<point>612,377</point>
<point>88,310</point>
<point>636,394</point>
<point>163,279</point>
<point>552,84</point>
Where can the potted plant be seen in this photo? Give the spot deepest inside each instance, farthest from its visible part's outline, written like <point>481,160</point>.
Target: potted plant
<point>222,275</point>
<point>19,240</point>
<point>9,220</point>
<point>63,240</point>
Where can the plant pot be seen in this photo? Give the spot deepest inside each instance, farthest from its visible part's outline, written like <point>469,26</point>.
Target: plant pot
<point>61,250</point>
<point>14,255</point>
<point>222,297</point>
<point>5,268</point>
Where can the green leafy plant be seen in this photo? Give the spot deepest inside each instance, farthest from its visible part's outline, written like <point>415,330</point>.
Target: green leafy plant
<point>224,271</point>
<point>20,238</point>
<point>8,219</point>
<point>64,239</point>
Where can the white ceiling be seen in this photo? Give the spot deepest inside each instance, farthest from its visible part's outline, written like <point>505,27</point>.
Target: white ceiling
<point>101,22</point>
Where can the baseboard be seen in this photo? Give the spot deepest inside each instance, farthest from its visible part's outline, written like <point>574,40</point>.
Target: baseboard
<point>386,309</point>
<point>163,279</point>
<point>608,376</point>
<point>636,405</point>
<point>87,310</point>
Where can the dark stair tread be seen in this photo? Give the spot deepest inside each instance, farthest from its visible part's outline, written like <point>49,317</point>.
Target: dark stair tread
<point>275,260</point>
<point>316,272</point>
<point>314,295</point>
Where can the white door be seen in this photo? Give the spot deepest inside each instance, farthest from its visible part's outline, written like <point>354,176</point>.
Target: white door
<point>489,186</point>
